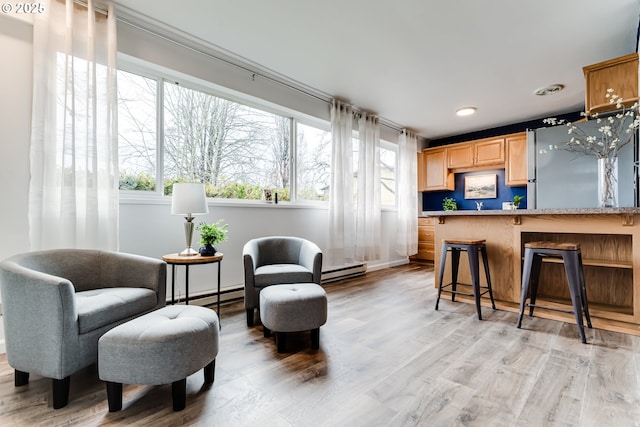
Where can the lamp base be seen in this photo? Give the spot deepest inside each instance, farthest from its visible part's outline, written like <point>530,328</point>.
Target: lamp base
<point>189,252</point>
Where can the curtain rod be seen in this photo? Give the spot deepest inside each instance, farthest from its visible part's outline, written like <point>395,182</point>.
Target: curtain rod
<point>95,9</point>
<point>328,99</point>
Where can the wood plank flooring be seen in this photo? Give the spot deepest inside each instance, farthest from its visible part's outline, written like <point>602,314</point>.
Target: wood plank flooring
<point>386,358</point>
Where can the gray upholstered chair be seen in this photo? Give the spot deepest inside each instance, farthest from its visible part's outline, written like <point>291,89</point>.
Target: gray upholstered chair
<point>275,260</point>
<point>58,303</point>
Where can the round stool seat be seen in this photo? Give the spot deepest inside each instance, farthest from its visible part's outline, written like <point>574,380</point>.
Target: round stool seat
<point>161,347</point>
<point>293,308</point>
<point>464,242</point>
<point>560,246</point>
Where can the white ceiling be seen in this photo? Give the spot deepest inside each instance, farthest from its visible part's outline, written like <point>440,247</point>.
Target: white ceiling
<point>414,62</point>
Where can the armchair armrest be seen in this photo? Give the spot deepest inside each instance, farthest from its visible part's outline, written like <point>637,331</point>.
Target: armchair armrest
<point>250,260</point>
<point>311,258</point>
<point>38,341</point>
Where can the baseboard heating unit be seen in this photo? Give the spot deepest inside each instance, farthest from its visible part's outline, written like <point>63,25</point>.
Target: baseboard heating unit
<point>344,272</point>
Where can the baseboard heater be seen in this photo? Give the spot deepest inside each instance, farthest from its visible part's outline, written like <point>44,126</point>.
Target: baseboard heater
<point>232,294</point>
<point>344,272</point>
<point>211,297</point>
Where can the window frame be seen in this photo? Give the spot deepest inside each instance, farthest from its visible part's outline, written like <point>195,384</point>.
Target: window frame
<point>161,75</point>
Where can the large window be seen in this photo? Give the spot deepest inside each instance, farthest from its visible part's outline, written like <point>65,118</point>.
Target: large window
<point>183,133</point>
<point>313,162</point>
<point>137,136</point>
<point>236,150</point>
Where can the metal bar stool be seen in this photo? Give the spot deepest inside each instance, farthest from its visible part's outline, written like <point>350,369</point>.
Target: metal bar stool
<point>571,256</point>
<point>472,247</point>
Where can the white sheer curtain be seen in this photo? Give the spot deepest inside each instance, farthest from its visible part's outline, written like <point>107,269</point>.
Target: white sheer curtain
<point>368,216</point>
<point>73,200</point>
<point>341,220</point>
<point>407,242</point>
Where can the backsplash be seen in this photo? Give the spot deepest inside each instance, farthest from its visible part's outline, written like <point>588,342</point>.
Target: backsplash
<point>432,200</point>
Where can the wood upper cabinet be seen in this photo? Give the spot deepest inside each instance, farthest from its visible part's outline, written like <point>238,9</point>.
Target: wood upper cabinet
<point>435,171</point>
<point>516,163</point>
<point>422,172</point>
<point>483,152</point>
<point>619,74</point>
<point>489,152</point>
<point>460,155</point>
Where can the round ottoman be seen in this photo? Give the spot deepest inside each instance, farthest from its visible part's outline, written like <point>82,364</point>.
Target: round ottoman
<point>161,347</point>
<point>292,308</point>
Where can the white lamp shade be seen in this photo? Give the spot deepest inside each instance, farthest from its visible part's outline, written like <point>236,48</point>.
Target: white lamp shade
<point>189,199</point>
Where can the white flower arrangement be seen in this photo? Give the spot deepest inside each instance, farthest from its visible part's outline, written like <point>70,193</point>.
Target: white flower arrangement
<point>614,133</point>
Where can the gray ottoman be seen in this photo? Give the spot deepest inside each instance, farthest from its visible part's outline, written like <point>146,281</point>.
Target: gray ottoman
<point>292,308</point>
<point>161,347</point>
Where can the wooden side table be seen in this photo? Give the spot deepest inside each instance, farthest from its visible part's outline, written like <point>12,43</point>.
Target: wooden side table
<point>187,260</point>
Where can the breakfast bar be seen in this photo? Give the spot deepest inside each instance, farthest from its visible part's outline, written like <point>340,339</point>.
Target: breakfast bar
<point>609,239</point>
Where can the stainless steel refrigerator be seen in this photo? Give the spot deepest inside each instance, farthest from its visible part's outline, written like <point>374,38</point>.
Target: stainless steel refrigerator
<point>563,179</point>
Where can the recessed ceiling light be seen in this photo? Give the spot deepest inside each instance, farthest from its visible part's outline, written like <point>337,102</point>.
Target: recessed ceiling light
<point>466,111</point>
<point>548,90</point>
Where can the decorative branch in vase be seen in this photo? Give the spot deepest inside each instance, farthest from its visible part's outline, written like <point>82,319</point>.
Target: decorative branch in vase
<point>617,130</point>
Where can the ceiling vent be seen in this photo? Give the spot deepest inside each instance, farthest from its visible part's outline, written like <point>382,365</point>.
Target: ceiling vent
<point>549,90</point>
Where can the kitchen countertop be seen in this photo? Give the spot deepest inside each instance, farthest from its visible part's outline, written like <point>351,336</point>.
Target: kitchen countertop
<point>556,211</point>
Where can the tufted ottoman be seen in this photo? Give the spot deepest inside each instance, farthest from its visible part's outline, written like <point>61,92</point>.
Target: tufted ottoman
<point>292,308</point>
<point>161,347</point>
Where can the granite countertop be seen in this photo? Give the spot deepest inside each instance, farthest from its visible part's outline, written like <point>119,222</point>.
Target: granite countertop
<point>558,211</point>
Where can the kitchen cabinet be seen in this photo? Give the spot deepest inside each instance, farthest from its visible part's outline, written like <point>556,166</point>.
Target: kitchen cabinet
<point>426,231</point>
<point>437,176</point>
<point>516,159</point>
<point>619,74</point>
<point>460,155</point>
<point>489,152</point>
<point>422,172</point>
<point>476,154</point>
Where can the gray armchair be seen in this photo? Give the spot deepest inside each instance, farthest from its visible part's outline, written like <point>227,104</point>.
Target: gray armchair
<point>58,303</point>
<point>275,260</point>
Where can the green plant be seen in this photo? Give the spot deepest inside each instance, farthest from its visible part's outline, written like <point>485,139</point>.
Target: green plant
<point>449,204</point>
<point>517,200</point>
<point>211,234</point>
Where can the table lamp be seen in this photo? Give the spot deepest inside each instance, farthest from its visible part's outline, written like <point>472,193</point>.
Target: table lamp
<point>188,199</point>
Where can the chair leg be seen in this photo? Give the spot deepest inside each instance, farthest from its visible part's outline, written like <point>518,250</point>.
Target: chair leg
<point>114,396</point>
<point>472,254</point>
<point>583,288</point>
<point>20,378</point>
<point>209,372</point>
<point>179,394</point>
<point>443,261</point>
<point>573,277</point>
<point>526,275</point>
<point>455,264</point>
<point>60,392</point>
<point>266,332</point>
<point>281,341</point>
<point>250,317</point>
<point>315,338</point>
<point>534,280</point>
<point>485,262</point>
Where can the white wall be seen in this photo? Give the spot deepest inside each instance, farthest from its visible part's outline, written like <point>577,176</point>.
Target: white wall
<point>147,228</point>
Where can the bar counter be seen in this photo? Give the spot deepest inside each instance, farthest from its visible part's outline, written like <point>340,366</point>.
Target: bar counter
<point>610,244</point>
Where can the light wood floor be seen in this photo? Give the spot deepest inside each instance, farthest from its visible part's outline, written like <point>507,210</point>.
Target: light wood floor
<point>386,358</point>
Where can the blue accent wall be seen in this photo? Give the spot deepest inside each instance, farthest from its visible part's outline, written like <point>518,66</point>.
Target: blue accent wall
<point>432,200</point>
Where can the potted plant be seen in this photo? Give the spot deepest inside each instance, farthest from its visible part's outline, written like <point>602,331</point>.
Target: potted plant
<point>517,200</point>
<point>449,204</point>
<point>211,234</point>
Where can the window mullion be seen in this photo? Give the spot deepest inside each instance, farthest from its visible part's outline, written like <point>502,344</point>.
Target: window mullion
<point>160,136</point>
